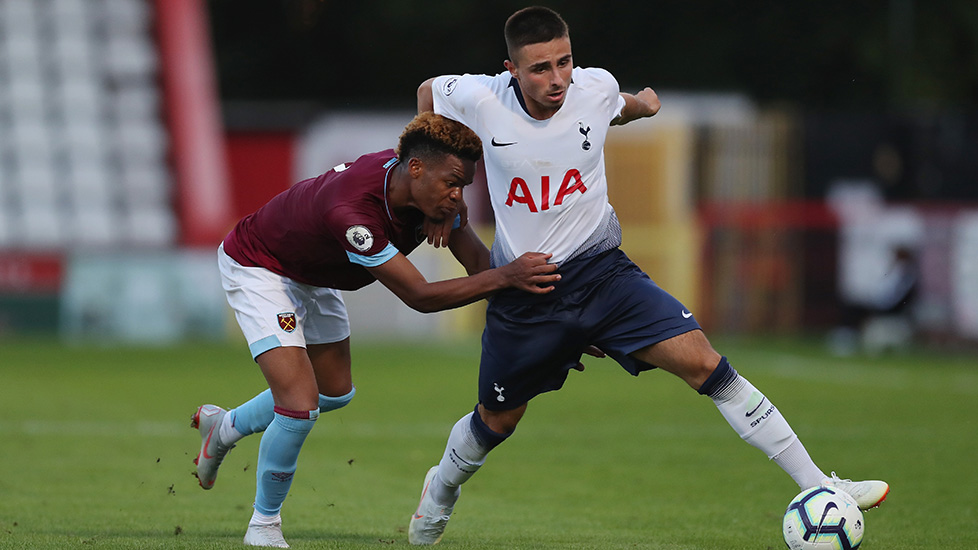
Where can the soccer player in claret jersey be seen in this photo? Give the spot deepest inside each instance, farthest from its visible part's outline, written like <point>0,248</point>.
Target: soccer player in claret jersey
<point>543,125</point>
<point>282,268</point>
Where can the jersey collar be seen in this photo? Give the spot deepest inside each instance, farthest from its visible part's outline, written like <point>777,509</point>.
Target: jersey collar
<point>390,164</point>
<point>515,85</point>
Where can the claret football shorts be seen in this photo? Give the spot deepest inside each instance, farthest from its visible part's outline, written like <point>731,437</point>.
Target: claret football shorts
<point>275,311</point>
<point>531,341</point>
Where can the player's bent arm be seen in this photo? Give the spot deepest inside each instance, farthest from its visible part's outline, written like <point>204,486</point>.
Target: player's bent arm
<point>426,101</point>
<point>439,233</point>
<point>469,250</point>
<point>407,283</point>
<point>643,104</point>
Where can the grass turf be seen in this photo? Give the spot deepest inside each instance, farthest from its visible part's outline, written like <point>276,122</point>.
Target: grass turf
<point>96,451</point>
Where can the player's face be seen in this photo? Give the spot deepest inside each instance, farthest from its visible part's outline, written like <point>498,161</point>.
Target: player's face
<point>438,188</point>
<point>544,73</point>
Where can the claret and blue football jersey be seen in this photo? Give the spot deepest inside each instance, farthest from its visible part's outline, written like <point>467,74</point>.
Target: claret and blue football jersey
<point>324,231</point>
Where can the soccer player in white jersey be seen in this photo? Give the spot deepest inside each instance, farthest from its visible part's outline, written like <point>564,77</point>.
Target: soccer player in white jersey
<point>543,125</point>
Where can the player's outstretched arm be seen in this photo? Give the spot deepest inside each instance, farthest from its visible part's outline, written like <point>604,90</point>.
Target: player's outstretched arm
<point>469,250</point>
<point>527,272</point>
<point>641,105</point>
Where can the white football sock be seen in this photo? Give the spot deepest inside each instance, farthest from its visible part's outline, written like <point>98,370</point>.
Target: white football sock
<point>760,423</point>
<point>227,433</point>
<point>258,518</point>
<point>795,461</point>
<point>754,417</point>
<point>464,455</point>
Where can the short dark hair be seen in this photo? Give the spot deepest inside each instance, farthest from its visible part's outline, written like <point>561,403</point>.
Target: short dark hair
<point>429,135</point>
<point>531,26</point>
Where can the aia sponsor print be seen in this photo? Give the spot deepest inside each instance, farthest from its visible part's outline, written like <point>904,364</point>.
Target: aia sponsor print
<point>519,191</point>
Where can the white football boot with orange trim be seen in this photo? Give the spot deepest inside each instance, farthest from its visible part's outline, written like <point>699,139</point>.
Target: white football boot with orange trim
<point>867,494</point>
<point>430,519</point>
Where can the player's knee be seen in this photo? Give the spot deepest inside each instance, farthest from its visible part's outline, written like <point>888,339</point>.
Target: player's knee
<point>290,416</point>
<point>327,403</point>
<point>716,377</point>
<point>503,422</point>
<point>702,372</point>
<point>696,368</point>
<point>492,428</point>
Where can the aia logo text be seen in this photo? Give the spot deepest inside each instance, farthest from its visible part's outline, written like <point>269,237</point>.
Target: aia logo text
<point>519,191</point>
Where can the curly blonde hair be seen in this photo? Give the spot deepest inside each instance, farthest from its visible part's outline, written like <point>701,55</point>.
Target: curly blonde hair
<point>429,134</point>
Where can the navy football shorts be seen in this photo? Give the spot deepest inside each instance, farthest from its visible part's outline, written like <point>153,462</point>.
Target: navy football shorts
<point>531,341</point>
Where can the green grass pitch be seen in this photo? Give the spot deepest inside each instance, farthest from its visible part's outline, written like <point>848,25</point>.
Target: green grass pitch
<point>96,451</point>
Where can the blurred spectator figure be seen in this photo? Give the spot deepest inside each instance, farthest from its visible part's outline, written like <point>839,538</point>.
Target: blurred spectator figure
<point>879,272</point>
<point>886,320</point>
<point>889,323</point>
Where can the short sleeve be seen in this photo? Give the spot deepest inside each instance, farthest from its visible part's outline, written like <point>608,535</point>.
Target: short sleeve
<point>374,260</point>
<point>442,90</point>
<point>359,236</point>
<point>604,81</point>
<point>455,96</point>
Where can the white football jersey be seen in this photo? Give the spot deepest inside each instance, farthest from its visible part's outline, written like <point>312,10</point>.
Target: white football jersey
<point>546,178</point>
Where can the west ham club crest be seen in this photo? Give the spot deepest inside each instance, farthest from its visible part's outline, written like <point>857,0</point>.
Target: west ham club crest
<point>287,321</point>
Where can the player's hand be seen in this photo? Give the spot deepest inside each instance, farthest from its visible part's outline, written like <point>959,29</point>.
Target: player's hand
<point>530,271</point>
<point>463,214</point>
<point>651,101</point>
<point>438,233</point>
<point>593,351</point>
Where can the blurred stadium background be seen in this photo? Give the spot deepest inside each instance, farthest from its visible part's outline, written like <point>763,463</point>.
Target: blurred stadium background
<point>813,166</point>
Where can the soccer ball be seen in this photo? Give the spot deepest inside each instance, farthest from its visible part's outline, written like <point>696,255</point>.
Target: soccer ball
<point>820,518</point>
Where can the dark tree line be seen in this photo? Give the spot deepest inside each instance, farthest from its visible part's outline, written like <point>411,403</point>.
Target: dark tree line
<point>834,54</point>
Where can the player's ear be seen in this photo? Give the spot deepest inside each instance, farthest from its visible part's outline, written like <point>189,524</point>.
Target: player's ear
<point>511,67</point>
<point>415,167</point>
